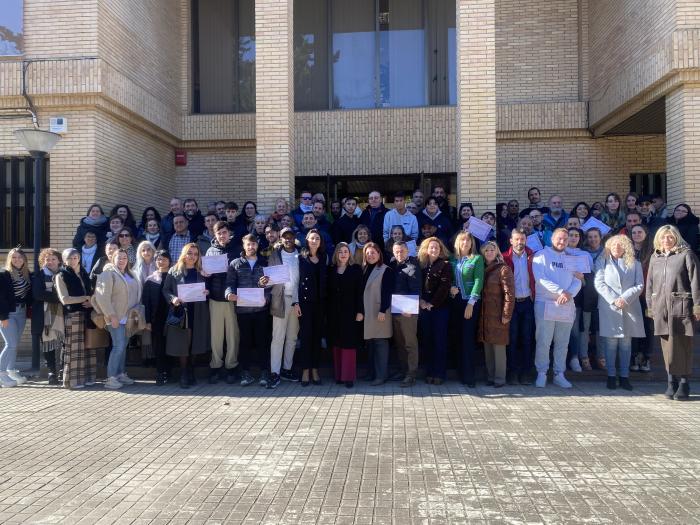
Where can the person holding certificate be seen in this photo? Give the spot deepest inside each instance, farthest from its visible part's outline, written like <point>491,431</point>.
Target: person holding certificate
<point>193,336</point>
<point>434,312</point>
<point>578,341</point>
<point>245,285</point>
<point>312,301</point>
<point>468,271</point>
<point>619,283</point>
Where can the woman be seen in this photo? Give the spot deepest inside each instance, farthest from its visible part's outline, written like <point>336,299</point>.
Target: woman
<point>187,270</point>
<point>612,214</point>
<point>434,314</point>
<point>376,299</point>
<point>258,229</point>
<point>116,224</point>
<point>673,298</point>
<point>149,214</point>
<point>123,211</point>
<point>687,225</point>
<point>145,261</point>
<point>597,210</point>
<point>397,234</point>
<point>578,341</point>
<point>312,302</point>
<point>125,241</point>
<point>156,310</point>
<point>345,311</point>
<point>47,311</point>
<point>619,283</point>
<point>582,211</point>
<point>468,272</point>
<point>593,245</point>
<point>103,261</point>
<point>496,311</point>
<point>117,292</point>
<point>15,298</point>
<point>152,233</point>
<point>281,209</point>
<point>432,215</point>
<point>89,251</point>
<point>631,202</point>
<point>74,291</point>
<point>504,225</point>
<point>247,218</point>
<point>643,346</point>
<point>360,237</point>
<point>95,222</point>
<point>466,211</point>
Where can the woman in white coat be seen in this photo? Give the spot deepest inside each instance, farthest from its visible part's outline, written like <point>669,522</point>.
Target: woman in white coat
<point>619,282</point>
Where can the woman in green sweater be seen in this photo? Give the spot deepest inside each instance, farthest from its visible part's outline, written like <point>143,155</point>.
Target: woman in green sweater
<point>468,271</point>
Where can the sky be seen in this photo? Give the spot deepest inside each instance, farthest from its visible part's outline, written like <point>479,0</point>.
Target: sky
<point>11,14</point>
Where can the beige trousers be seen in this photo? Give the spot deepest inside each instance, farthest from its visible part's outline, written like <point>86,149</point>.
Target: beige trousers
<point>223,322</point>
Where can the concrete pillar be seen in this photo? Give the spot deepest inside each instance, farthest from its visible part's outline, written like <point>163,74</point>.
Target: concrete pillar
<point>274,100</point>
<point>683,146</point>
<point>476,103</point>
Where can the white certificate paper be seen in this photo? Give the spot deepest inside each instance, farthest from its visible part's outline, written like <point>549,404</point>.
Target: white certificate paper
<point>404,304</point>
<point>250,297</point>
<point>278,274</point>
<point>479,229</point>
<point>212,264</point>
<point>565,313</point>
<point>595,223</point>
<point>191,293</point>
<point>577,263</point>
<point>412,250</point>
<point>533,242</point>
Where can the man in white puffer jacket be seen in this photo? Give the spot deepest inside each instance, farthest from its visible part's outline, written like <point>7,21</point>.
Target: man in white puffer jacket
<point>555,291</point>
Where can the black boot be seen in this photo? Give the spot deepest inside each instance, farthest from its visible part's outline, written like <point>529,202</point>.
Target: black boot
<point>625,383</point>
<point>184,379</point>
<point>671,389</point>
<point>683,392</point>
<point>213,376</point>
<point>160,378</point>
<point>190,376</point>
<point>612,382</point>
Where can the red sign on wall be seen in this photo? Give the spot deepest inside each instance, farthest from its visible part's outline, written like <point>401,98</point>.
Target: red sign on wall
<point>180,157</point>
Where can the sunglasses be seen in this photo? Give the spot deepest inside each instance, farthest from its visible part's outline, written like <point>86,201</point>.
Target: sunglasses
<point>124,235</point>
<point>306,198</point>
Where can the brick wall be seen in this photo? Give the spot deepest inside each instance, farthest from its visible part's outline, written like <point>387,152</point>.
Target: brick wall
<point>60,27</point>
<point>683,146</point>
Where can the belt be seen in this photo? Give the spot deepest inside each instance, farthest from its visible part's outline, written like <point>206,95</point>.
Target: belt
<point>521,299</point>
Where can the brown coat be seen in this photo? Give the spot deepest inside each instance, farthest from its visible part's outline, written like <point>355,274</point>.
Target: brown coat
<point>673,292</point>
<point>497,304</point>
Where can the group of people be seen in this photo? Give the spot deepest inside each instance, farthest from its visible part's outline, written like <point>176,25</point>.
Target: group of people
<point>535,292</point>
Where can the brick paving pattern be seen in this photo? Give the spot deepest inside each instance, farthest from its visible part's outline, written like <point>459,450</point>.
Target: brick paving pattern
<point>225,454</point>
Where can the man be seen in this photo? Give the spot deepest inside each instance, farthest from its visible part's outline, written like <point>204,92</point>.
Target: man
<point>646,212</point>
<point>632,219</point>
<point>305,205</point>
<point>373,217</point>
<point>211,207</point>
<point>207,236</point>
<point>535,199</point>
<point>194,216</point>
<point>526,225</point>
<point>342,228</point>
<point>336,211</point>
<point>418,198</point>
<point>411,206</point>
<point>221,210</point>
<point>272,236</point>
<point>309,222</point>
<point>407,281</point>
<point>440,193</point>
<point>236,227</point>
<point>180,236</point>
<point>522,324</point>
<point>513,208</point>
<point>660,209</point>
<point>400,216</point>
<point>556,287</point>
<point>319,212</point>
<point>284,307</point>
<point>166,225</point>
<point>557,217</point>
<point>222,313</point>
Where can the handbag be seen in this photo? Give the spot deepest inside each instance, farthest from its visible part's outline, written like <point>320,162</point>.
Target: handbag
<point>176,316</point>
<point>96,338</point>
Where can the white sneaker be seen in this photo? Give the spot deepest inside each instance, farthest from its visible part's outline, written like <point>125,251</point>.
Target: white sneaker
<point>575,365</point>
<point>113,383</point>
<point>125,379</point>
<point>6,381</point>
<point>561,381</point>
<point>541,380</point>
<point>17,377</point>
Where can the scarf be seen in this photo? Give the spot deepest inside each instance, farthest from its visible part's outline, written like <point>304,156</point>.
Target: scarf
<point>152,237</point>
<point>305,208</point>
<point>95,222</point>
<point>52,335</point>
<point>88,255</point>
<point>21,286</point>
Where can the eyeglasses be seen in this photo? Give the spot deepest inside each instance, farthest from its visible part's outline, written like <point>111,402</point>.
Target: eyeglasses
<point>304,198</point>
<point>124,235</point>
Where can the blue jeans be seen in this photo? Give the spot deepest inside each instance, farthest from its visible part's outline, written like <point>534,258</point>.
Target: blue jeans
<point>12,334</point>
<point>378,357</point>
<point>621,348</point>
<point>546,333</point>
<point>117,357</point>
<point>434,340</point>
<point>522,329</point>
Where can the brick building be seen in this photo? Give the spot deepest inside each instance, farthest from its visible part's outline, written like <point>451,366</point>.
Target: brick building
<point>578,97</point>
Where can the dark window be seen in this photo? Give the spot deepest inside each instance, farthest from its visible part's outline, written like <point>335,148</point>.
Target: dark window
<point>17,202</point>
<point>11,28</point>
<point>648,184</point>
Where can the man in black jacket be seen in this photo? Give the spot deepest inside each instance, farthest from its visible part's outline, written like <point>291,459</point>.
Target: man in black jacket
<point>195,218</point>
<point>342,228</point>
<point>407,281</point>
<point>373,217</point>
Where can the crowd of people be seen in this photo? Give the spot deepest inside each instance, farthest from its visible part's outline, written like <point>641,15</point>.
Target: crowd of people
<point>267,295</point>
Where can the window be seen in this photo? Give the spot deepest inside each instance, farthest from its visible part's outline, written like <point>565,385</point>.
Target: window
<point>17,202</point>
<point>648,184</point>
<point>374,53</point>
<point>223,33</point>
<point>11,28</point>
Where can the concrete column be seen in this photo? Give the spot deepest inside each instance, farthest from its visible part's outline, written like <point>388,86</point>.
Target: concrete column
<point>476,103</point>
<point>683,146</point>
<point>274,100</point>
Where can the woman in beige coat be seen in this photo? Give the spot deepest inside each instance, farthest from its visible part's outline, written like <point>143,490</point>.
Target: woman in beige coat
<point>378,282</point>
<point>673,299</point>
<point>117,291</point>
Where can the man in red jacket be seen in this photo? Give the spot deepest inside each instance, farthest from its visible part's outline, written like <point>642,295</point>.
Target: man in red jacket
<point>522,324</point>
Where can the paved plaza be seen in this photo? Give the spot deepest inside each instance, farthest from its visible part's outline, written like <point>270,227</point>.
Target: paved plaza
<point>227,454</point>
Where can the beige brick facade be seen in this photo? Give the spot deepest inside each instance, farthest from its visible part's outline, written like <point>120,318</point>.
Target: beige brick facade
<point>539,84</point>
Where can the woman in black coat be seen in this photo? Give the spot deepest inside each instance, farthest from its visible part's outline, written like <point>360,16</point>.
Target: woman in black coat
<point>95,221</point>
<point>687,224</point>
<point>156,309</point>
<point>48,330</point>
<point>345,313</point>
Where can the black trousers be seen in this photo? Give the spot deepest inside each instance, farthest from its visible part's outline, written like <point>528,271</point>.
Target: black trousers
<point>158,344</point>
<point>311,332</point>
<point>255,333</point>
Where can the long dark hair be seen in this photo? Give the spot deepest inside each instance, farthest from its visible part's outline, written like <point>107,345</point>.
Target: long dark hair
<point>143,216</point>
<point>321,252</point>
<point>129,221</point>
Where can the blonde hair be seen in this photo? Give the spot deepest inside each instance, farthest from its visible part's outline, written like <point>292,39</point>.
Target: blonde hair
<point>680,242</point>
<point>626,243</point>
<point>458,240</point>
<point>25,267</point>
<point>491,244</point>
<point>180,264</point>
<point>334,260</point>
<point>424,258</point>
